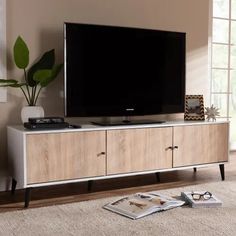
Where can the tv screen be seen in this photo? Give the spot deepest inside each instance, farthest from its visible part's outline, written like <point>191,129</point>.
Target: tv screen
<point>123,71</point>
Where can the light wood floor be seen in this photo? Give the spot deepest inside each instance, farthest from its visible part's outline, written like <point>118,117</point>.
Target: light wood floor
<point>61,194</point>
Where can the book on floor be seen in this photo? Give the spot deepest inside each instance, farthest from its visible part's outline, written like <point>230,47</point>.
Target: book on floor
<point>201,199</point>
<point>143,204</point>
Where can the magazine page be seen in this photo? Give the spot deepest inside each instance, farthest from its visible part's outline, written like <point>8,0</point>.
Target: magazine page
<point>166,201</point>
<point>142,204</point>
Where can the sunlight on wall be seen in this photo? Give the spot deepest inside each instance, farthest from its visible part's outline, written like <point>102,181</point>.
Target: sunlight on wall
<point>196,67</point>
<point>3,92</point>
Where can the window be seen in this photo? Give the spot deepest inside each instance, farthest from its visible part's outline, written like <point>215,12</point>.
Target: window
<point>223,63</point>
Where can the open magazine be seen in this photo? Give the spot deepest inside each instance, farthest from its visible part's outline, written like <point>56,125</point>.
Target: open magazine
<point>142,204</point>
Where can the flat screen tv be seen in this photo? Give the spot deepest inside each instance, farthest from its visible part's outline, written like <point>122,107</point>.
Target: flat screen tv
<point>123,71</point>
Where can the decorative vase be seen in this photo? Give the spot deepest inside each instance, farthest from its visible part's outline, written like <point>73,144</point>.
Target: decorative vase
<point>31,112</point>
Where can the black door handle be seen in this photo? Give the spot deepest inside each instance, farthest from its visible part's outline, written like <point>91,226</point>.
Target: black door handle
<point>172,148</point>
<point>101,153</point>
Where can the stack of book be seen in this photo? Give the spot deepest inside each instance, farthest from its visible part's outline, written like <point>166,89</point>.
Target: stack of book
<point>207,201</point>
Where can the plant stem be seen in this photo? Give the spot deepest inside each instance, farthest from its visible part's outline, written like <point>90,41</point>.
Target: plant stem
<point>27,87</point>
<point>37,94</point>
<point>32,96</point>
<point>25,96</point>
<point>34,93</point>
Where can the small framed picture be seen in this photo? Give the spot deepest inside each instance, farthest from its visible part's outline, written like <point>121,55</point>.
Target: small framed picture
<point>194,107</point>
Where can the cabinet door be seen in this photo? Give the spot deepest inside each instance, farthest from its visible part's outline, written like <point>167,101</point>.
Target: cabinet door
<point>63,156</point>
<point>200,144</point>
<point>132,150</point>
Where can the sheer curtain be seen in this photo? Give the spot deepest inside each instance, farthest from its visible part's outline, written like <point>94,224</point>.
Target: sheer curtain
<point>223,66</point>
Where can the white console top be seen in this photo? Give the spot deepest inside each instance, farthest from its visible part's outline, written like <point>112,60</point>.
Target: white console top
<point>91,127</point>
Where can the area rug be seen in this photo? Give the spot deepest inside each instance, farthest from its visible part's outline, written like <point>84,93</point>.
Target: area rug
<point>89,218</point>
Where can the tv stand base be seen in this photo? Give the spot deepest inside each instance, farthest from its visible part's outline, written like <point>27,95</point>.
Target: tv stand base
<point>96,153</point>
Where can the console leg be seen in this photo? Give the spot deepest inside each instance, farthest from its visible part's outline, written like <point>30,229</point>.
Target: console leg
<point>90,183</point>
<point>158,176</point>
<point>194,169</point>
<point>13,186</point>
<point>27,196</point>
<point>222,171</point>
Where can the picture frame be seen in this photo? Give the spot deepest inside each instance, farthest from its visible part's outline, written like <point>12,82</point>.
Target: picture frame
<point>194,107</point>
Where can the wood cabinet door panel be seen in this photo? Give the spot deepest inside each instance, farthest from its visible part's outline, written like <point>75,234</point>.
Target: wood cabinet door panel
<point>138,150</point>
<point>63,156</point>
<point>200,144</point>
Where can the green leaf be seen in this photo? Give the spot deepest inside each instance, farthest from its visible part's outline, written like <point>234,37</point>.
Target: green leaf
<point>17,85</point>
<point>21,53</point>
<point>55,71</point>
<point>7,83</point>
<point>44,77</point>
<point>10,83</point>
<point>45,62</point>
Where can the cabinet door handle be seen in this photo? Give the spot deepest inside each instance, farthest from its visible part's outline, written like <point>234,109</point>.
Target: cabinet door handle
<point>172,148</point>
<point>101,153</point>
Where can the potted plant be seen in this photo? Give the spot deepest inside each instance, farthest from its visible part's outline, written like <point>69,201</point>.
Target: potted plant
<point>38,76</point>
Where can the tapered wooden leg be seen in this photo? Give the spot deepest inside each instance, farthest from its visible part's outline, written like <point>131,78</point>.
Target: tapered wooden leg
<point>194,169</point>
<point>13,186</point>
<point>27,196</point>
<point>222,171</point>
<point>158,176</point>
<point>90,183</point>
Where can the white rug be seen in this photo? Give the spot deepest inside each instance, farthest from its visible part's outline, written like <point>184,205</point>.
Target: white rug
<point>89,218</point>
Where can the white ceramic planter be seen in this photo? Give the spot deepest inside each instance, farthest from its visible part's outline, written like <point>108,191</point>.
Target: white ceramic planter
<point>31,112</point>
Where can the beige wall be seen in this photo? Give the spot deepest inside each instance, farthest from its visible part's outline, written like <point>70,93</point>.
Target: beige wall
<point>40,23</point>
